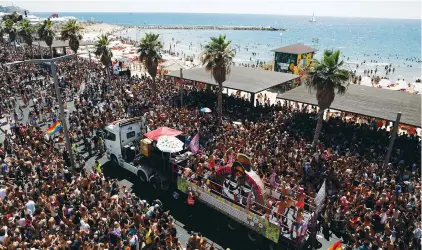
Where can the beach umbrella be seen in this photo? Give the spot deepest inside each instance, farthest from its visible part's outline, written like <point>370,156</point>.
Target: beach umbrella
<point>401,82</point>
<point>400,85</point>
<point>403,85</point>
<point>169,144</point>
<point>366,81</point>
<point>384,83</point>
<point>205,110</point>
<point>130,55</point>
<point>117,53</point>
<point>417,87</point>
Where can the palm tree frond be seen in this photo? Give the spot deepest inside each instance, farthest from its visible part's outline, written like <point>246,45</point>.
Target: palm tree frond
<point>217,58</point>
<point>326,77</point>
<point>72,31</point>
<point>149,51</point>
<point>102,50</point>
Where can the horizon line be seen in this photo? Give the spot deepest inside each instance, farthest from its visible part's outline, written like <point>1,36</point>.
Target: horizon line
<point>265,14</point>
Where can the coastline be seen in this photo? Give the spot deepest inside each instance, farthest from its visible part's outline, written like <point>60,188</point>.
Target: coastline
<point>209,27</point>
<point>180,47</point>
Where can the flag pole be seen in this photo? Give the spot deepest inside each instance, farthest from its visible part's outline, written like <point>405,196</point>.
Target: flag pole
<point>319,204</point>
<point>62,116</point>
<point>181,87</point>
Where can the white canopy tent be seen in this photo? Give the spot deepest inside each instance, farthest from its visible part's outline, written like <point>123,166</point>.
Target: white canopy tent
<point>384,83</point>
<point>399,85</point>
<point>366,81</point>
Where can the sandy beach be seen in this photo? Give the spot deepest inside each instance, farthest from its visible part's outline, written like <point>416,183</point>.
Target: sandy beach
<point>185,54</point>
<point>93,30</point>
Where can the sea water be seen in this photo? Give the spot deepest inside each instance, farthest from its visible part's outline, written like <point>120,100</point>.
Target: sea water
<point>384,41</point>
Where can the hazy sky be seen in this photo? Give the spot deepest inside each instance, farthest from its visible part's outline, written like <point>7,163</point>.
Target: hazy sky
<point>409,9</point>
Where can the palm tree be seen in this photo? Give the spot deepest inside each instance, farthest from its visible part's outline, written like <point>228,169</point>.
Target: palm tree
<point>326,77</point>
<point>15,17</point>
<point>103,51</point>
<point>26,30</point>
<point>217,57</point>
<point>40,28</point>
<point>47,34</point>
<point>11,29</point>
<point>149,51</point>
<point>72,31</point>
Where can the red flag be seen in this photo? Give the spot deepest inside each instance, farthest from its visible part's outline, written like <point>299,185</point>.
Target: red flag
<point>336,246</point>
<point>194,144</point>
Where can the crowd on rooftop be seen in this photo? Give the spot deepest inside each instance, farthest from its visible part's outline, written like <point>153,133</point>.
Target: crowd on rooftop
<point>43,204</point>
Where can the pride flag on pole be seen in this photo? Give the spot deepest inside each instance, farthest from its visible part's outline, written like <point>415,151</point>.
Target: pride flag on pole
<point>57,126</point>
<point>336,246</point>
<point>194,144</point>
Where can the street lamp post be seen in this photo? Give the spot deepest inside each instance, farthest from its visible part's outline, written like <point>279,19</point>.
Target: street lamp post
<point>89,54</point>
<point>39,48</point>
<point>394,132</point>
<point>59,97</point>
<point>181,87</point>
<point>62,116</point>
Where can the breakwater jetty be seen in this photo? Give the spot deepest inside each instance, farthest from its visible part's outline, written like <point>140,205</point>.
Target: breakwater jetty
<point>210,27</point>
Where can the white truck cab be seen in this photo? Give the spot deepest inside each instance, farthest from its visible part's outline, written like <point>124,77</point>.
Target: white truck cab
<point>122,142</point>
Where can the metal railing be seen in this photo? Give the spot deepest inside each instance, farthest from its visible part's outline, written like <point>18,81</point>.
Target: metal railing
<point>217,189</point>
<point>275,189</point>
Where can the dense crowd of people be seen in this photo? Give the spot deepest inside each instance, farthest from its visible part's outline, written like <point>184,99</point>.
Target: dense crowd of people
<point>367,204</point>
<point>384,200</point>
<point>44,204</point>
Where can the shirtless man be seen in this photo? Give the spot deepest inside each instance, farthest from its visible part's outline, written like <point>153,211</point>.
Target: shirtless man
<point>298,223</point>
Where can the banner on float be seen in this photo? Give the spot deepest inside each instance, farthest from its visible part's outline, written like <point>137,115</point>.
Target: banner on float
<point>260,225</point>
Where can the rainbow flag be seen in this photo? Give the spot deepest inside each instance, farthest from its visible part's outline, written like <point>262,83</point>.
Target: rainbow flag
<point>336,246</point>
<point>57,126</point>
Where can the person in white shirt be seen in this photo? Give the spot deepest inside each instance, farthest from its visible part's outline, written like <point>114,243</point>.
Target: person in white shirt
<point>3,234</point>
<point>85,226</point>
<point>134,241</point>
<point>30,205</point>
<point>417,233</point>
<point>21,220</point>
<point>3,193</point>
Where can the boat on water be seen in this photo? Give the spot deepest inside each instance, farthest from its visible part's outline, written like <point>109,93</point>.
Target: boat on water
<point>313,18</point>
<point>33,19</point>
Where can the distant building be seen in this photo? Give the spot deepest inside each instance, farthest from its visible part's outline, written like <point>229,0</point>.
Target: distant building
<point>292,58</point>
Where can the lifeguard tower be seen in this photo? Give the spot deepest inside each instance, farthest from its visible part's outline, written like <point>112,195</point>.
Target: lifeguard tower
<point>292,58</point>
